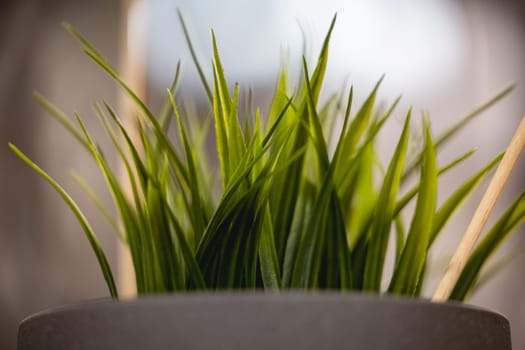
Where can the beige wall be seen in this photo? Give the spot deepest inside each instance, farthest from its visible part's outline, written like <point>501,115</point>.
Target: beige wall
<point>44,259</point>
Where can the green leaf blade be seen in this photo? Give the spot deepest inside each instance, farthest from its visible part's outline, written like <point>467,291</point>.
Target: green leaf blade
<point>380,229</point>
<point>90,234</point>
<point>408,271</point>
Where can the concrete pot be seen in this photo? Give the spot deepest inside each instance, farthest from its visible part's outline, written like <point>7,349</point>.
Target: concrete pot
<point>256,321</point>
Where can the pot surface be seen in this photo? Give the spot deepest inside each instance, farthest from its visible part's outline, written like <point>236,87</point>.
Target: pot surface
<point>235,321</point>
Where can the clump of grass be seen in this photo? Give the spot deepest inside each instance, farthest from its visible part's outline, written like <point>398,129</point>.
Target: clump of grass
<point>293,212</point>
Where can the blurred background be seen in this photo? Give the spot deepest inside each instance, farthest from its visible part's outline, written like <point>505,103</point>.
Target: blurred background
<point>444,57</point>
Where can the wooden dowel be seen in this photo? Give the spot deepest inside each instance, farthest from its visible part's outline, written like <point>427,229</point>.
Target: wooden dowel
<point>481,215</point>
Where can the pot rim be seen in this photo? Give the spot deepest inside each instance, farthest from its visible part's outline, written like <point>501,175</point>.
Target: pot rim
<point>245,296</point>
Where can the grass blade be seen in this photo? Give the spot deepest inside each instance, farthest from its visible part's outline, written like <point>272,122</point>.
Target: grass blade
<point>414,190</point>
<point>380,230</point>
<point>454,201</point>
<point>194,57</point>
<point>454,129</point>
<point>99,204</point>
<point>270,269</point>
<point>408,271</point>
<point>90,234</point>
<point>60,117</point>
<point>512,217</point>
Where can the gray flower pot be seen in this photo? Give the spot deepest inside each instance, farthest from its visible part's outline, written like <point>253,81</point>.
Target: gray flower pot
<point>265,321</point>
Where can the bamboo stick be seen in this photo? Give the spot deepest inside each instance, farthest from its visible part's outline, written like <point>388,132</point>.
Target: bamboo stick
<point>481,215</point>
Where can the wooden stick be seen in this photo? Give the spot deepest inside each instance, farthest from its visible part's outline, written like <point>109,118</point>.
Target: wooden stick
<point>463,251</point>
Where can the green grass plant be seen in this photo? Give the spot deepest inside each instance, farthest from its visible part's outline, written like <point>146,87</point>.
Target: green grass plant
<point>303,204</point>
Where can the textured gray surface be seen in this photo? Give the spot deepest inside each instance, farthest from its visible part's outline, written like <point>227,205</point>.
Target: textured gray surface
<point>264,321</point>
